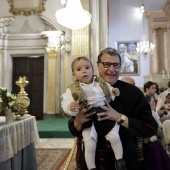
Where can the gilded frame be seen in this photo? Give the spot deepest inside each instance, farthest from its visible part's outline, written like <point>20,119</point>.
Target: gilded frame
<point>26,7</point>
<point>130,59</point>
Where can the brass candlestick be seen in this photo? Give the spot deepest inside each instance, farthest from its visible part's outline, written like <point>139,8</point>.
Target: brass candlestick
<point>22,100</point>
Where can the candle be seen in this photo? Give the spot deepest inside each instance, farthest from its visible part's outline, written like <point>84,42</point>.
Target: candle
<point>150,78</point>
<point>168,74</point>
<point>163,74</point>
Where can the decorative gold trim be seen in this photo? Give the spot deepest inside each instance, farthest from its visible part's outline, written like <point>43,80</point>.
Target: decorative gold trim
<point>18,7</point>
<point>70,155</point>
<point>22,100</point>
<point>164,29</point>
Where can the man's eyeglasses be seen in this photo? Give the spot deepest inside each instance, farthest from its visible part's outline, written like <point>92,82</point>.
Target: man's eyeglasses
<point>107,65</point>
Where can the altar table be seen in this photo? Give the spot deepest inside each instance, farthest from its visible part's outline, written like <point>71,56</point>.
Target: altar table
<point>17,144</point>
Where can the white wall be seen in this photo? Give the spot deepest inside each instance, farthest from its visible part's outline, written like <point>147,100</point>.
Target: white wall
<point>125,24</point>
<point>51,6</point>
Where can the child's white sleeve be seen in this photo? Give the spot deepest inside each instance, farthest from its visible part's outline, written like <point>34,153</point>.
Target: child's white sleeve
<point>112,96</point>
<point>66,101</point>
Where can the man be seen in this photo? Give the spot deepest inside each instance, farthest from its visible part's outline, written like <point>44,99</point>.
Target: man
<point>129,80</point>
<point>130,110</point>
<point>150,90</point>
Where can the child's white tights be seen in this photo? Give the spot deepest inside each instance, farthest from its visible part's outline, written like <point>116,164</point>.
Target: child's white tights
<point>90,150</point>
<point>90,145</point>
<point>90,139</point>
<point>116,144</point>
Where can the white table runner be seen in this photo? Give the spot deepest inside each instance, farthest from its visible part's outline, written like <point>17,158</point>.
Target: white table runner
<point>16,136</point>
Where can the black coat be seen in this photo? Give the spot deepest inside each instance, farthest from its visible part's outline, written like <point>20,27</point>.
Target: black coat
<point>132,103</point>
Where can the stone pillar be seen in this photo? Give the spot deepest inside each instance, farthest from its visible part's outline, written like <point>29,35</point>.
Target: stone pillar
<point>53,87</point>
<point>165,49</point>
<point>154,58</point>
<point>5,22</point>
<point>98,37</point>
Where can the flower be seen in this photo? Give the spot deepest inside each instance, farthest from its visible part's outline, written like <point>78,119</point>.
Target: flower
<point>7,100</point>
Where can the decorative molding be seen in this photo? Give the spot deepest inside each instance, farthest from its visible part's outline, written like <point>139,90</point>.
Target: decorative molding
<point>5,21</point>
<point>162,19</point>
<point>50,23</point>
<point>166,9</point>
<point>159,32</point>
<point>26,29</point>
<point>25,7</point>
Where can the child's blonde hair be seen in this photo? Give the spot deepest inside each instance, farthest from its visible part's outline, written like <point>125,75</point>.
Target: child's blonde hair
<point>78,59</point>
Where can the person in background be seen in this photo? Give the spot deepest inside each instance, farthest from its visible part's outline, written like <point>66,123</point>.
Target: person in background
<point>154,114</point>
<point>164,104</point>
<point>153,149</point>
<point>168,89</point>
<point>152,146</point>
<point>156,95</point>
<point>168,86</point>
<point>93,90</point>
<point>163,98</point>
<point>130,110</point>
<point>157,89</point>
<point>150,90</point>
<point>138,140</point>
<point>129,80</point>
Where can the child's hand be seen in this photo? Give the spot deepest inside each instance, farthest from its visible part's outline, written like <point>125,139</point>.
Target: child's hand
<point>167,106</point>
<point>74,106</point>
<point>116,91</point>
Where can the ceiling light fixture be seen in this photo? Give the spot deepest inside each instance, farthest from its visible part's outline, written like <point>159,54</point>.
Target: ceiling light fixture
<point>63,2</point>
<point>144,47</point>
<point>73,16</point>
<point>142,8</point>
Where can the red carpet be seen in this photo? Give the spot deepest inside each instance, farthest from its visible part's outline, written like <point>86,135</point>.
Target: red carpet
<point>51,159</point>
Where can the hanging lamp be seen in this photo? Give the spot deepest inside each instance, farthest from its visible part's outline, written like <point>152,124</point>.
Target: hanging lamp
<point>144,47</point>
<point>73,16</point>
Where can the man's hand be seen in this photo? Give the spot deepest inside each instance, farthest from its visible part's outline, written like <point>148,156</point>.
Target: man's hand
<point>81,118</point>
<point>110,113</point>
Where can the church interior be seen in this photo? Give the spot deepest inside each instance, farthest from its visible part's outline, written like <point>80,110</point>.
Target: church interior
<point>36,45</point>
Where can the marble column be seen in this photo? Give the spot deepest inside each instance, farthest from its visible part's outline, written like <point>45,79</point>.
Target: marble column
<point>154,58</point>
<point>165,49</point>
<point>53,74</point>
<point>5,22</point>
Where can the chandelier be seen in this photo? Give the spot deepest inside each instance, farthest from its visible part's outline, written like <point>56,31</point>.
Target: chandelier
<point>144,47</point>
<point>73,16</point>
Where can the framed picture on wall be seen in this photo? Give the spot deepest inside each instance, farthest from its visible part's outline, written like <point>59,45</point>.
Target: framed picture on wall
<point>130,60</point>
<point>26,7</point>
